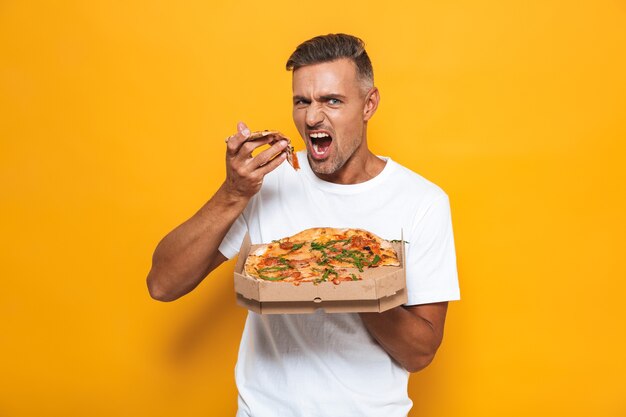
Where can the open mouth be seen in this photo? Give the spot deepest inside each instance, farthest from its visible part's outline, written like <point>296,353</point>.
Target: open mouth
<point>320,143</point>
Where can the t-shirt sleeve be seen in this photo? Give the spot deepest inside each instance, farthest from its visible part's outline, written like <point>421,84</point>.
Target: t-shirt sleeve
<point>431,258</point>
<point>234,237</point>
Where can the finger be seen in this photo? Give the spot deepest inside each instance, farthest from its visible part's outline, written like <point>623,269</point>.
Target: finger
<point>234,142</point>
<point>263,157</point>
<point>275,136</point>
<point>243,129</point>
<point>249,146</point>
<point>273,164</point>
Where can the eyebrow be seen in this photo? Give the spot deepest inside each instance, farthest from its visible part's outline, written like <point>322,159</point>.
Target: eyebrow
<point>333,95</point>
<point>324,97</point>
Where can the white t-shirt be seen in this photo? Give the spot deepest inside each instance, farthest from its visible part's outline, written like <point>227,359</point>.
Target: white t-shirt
<point>312,365</point>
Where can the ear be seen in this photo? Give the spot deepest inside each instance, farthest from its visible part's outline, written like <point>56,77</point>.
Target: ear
<point>371,103</point>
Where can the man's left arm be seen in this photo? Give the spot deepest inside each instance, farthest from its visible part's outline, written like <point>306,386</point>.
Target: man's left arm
<point>411,335</point>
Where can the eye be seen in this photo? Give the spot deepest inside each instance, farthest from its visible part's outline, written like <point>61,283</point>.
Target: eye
<point>300,102</point>
<point>334,101</point>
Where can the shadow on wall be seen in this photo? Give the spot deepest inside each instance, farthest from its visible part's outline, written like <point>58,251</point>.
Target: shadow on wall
<point>197,350</point>
<point>433,390</point>
<point>213,325</point>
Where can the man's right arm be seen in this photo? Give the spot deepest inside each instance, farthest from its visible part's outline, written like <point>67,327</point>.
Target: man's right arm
<point>190,252</point>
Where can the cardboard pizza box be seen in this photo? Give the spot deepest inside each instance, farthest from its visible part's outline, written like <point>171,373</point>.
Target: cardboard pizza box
<point>381,289</point>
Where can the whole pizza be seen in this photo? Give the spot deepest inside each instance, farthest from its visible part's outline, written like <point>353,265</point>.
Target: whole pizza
<point>319,255</point>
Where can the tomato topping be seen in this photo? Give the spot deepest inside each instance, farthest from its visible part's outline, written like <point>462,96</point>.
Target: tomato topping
<point>357,241</point>
<point>286,245</point>
<point>272,261</point>
<point>299,263</point>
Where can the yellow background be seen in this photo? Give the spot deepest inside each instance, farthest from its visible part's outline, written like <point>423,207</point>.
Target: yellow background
<point>112,119</point>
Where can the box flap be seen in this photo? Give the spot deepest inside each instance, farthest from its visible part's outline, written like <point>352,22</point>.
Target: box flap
<point>243,253</point>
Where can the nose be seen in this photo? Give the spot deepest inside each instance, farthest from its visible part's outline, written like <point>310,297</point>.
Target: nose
<point>314,116</point>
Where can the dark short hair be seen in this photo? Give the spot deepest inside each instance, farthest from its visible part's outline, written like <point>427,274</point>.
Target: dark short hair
<point>331,47</point>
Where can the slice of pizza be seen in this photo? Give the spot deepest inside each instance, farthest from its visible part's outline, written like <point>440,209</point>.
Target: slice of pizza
<point>292,158</point>
<point>319,255</point>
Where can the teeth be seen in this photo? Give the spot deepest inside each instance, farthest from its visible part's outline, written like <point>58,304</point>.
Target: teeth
<point>319,135</point>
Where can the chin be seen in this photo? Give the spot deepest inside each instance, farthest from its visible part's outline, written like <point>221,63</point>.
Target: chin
<point>326,167</point>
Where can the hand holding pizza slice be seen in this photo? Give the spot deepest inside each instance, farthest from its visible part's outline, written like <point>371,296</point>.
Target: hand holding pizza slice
<point>245,171</point>
<point>291,155</point>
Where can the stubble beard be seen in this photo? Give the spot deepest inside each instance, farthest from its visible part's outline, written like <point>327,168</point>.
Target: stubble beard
<point>334,162</point>
<point>327,166</point>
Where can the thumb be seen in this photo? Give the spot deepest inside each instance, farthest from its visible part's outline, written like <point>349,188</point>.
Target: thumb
<point>243,129</point>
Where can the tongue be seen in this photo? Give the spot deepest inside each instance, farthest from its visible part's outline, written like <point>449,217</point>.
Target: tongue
<point>323,144</point>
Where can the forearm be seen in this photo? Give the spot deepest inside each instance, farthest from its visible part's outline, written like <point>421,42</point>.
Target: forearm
<point>188,253</point>
<point>410,339</point>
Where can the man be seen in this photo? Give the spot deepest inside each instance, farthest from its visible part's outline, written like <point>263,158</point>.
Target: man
<point>323,364</point>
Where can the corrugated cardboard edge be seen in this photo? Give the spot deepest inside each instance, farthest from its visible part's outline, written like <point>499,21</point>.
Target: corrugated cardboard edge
<point>307,307</point>
<point>387,294</point>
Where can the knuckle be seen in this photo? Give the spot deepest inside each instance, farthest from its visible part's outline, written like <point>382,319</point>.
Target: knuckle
<point>231,146</point>
<point>255,179</point>
<point>240,171</point>
<point>247,147</point>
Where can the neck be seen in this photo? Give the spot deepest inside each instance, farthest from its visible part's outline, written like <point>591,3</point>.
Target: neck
<point>362,166</point>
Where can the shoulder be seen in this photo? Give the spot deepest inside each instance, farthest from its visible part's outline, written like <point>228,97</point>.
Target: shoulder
<point>416,185</point>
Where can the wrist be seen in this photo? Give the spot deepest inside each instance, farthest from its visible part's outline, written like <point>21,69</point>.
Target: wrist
<point>229,198</point>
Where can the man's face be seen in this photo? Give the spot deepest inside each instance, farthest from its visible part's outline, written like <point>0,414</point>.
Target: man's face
<point>328,110</point>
